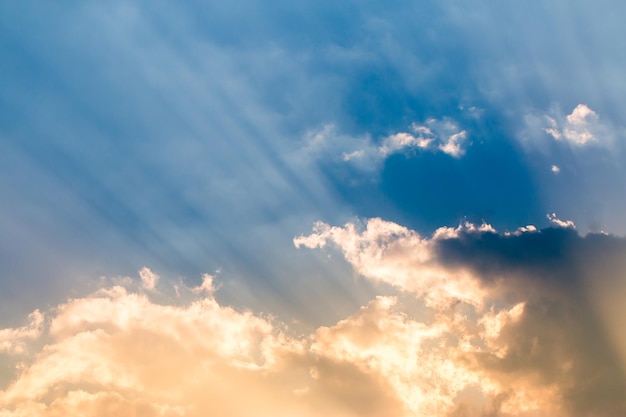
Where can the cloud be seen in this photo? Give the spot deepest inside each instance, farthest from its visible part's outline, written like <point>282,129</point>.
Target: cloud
<point>481,324</point>
<point>393,254</point>
<point>555,169</point>
<point>560,223</point>
<point>433,135</point>
<point>581,128</point>
<point>577,129</point>
<point>148,278</point>
<point>118,351</point>
<point>403,141</point>
<point>531,325</point>
<point>366,154</point>
<point>13,341</point>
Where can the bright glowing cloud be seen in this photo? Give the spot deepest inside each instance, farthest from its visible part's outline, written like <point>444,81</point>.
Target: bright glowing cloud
<point>387,252</point>
<point>462,337</point>
<point>524,336</point>
<point>558,222</point>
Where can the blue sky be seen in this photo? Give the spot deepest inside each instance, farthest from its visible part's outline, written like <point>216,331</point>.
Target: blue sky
<point>204,137</point>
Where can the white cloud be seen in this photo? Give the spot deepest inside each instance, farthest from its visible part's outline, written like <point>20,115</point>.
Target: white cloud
<point>452,146</point>
<point>443,135</point>
<point>581,128</point>
<point>521,230</point>
<point>578,128</point>
<point>402,141</point>
<point>148,278</point>
<point>561,223</point>
<point>555,169</point>
<point>387,252</point>
<point>363,152</point>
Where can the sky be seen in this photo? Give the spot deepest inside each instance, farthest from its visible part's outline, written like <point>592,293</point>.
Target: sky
<point>312,208</point>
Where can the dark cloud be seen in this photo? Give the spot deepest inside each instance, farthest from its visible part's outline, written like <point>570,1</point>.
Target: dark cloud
<point>536,253</point>
<point>562,339</point>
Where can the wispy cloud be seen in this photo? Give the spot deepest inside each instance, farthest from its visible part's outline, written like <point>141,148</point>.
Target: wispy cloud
<point>434,135</point>
<point>368,154</point>
<point>148,278</point>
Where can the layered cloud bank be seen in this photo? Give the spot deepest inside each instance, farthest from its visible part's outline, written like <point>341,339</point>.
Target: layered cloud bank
<point>481,324</point>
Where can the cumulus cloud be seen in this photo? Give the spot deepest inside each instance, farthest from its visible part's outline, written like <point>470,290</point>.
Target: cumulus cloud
<point>390,253</point>
<point>535,333</point>
<point>580,128</point>
<point>116,351</point>
<point>482,324</point>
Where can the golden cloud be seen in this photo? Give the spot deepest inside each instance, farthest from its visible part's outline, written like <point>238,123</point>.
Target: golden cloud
<point>470,351</point>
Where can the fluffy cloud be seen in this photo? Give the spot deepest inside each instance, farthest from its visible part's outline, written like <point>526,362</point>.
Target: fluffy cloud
<point>482,324</point>
<point>390,253</point>
<point>577,127</point>
<point>118,352</point>
<point>582,127</point>
<point>533,323</point>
